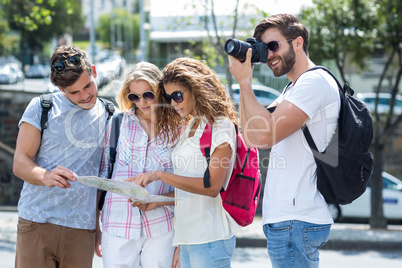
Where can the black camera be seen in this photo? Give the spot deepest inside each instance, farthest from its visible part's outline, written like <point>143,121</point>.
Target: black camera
<point>238,49</point>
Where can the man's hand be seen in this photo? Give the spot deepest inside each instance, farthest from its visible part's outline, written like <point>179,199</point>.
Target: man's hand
<point>242,71</point>
<point>59,177</point>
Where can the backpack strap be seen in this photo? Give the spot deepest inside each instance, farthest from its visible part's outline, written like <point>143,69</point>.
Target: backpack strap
<point>342,90</point>
<point>114,136</point>
<point>109,106</point>
<point>46,101</point>
<point>309,138</point>
<point>205,145</point>
<point>345,89</point>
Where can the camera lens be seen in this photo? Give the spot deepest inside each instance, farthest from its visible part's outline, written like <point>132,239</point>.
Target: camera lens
<point>237,48</point>
<point>229,46</point>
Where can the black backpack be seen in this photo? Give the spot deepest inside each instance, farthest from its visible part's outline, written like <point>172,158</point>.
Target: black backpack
<point>46,101</point>
<point>344,168</point>
<point>114,136</point>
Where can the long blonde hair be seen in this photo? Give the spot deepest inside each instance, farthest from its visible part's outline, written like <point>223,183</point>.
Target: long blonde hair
<point>141,71</point>
<point>209,94</point>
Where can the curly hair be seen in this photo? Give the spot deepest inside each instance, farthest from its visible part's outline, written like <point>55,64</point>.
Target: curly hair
<point>209,94</point>
<point>71,72</point>
<point>141,71</point>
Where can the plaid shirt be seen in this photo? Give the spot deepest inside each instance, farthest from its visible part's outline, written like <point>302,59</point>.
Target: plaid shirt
<point>136,155</point>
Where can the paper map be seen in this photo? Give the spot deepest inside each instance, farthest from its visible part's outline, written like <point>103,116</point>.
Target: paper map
<point>127,189</point>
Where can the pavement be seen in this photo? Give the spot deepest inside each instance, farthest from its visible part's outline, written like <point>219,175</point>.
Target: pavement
<point>343,236</point>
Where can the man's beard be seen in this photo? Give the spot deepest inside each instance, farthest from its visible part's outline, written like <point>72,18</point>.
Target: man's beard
<point>288,61</point>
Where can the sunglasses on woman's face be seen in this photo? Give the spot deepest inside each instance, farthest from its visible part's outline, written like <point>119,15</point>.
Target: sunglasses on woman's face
<point>61,65</point>
<point>148,96</point>
<point>177,96</point>
<point>274,46</point>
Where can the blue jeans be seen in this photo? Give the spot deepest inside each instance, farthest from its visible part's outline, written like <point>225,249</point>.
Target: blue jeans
<point>295,243</point>
<point>214,254</point>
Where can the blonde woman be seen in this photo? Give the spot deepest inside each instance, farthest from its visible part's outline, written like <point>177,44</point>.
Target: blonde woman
<point>139,235</point>
<point>193,94</point>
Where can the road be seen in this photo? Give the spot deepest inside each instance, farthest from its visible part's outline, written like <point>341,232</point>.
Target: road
<point>258,258</point>
<point>243,257</point>
<point>28,85</point>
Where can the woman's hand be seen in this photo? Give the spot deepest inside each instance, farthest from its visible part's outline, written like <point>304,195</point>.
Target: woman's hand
<point>176,258</point>
<point>98,241</point>
<point>145,207</point>
<point>145,178</point>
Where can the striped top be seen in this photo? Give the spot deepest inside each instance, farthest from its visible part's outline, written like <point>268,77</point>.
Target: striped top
<point>136,155</point>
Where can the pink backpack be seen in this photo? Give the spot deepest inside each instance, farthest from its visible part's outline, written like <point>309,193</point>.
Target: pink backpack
<point>241,197</point>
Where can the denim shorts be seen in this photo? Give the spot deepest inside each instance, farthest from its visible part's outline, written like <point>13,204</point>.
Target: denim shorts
<point>295,243</point>
<point>214,254</point>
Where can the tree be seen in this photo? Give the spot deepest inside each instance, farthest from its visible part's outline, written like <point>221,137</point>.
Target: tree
<point>217,32</point>
<point>8,40</point>
<point>38,21</point>
<point>128,26</point>
<point>341,30</point>
<point>389,40</point>
<point>351,30</point>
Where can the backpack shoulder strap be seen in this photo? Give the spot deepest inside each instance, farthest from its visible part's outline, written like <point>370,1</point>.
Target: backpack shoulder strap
<point>342,90</point>
<point>109,106</point>
<point>114,136</point>
<point>205,145</point>
<point>345,89</point>
<point>46,101</point>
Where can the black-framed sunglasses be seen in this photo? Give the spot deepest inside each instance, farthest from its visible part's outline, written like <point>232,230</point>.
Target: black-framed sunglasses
<point>74,60</point>
<point>274,46</point>
<point>147,95</point>
<point>177,96</point>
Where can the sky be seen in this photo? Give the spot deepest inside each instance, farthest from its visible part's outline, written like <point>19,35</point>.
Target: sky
<point>162,8</point>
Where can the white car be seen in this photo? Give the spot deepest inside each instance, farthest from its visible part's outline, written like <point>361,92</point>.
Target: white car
<point>11,74</point>
<point>383,102</point>
<point>361,207</point>
<point>265,95</point>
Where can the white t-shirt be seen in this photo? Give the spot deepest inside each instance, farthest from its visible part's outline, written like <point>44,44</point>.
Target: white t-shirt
<point>290,191</point>
<point>198,218</point>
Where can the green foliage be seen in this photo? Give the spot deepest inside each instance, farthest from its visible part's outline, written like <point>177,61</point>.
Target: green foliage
<point>390,14</point>
<point>8,40</point>
<point>129,23</point>
<point>38,21</point>
<point>210,48</point>
<point>339,28</point>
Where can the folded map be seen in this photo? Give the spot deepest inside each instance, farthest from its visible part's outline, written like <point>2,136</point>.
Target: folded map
<point>127,189</point>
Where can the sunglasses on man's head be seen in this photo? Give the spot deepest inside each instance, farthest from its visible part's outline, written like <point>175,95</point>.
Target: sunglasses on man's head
<point>148,96</point>
<point>61,65</point>
<point>274,46</point>
<point>177,96</point>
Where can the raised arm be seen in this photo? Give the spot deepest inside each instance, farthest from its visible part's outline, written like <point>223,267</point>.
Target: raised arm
<point>261,128</point>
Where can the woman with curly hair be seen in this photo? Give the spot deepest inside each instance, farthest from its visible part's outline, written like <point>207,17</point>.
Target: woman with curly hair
<point>194,96</point>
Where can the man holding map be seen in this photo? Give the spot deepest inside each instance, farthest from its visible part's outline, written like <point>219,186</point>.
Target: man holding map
<point>57,216</point>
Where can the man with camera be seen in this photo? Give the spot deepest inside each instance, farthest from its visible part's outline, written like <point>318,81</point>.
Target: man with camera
<point>57,224</point>
<point>296,218</point>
